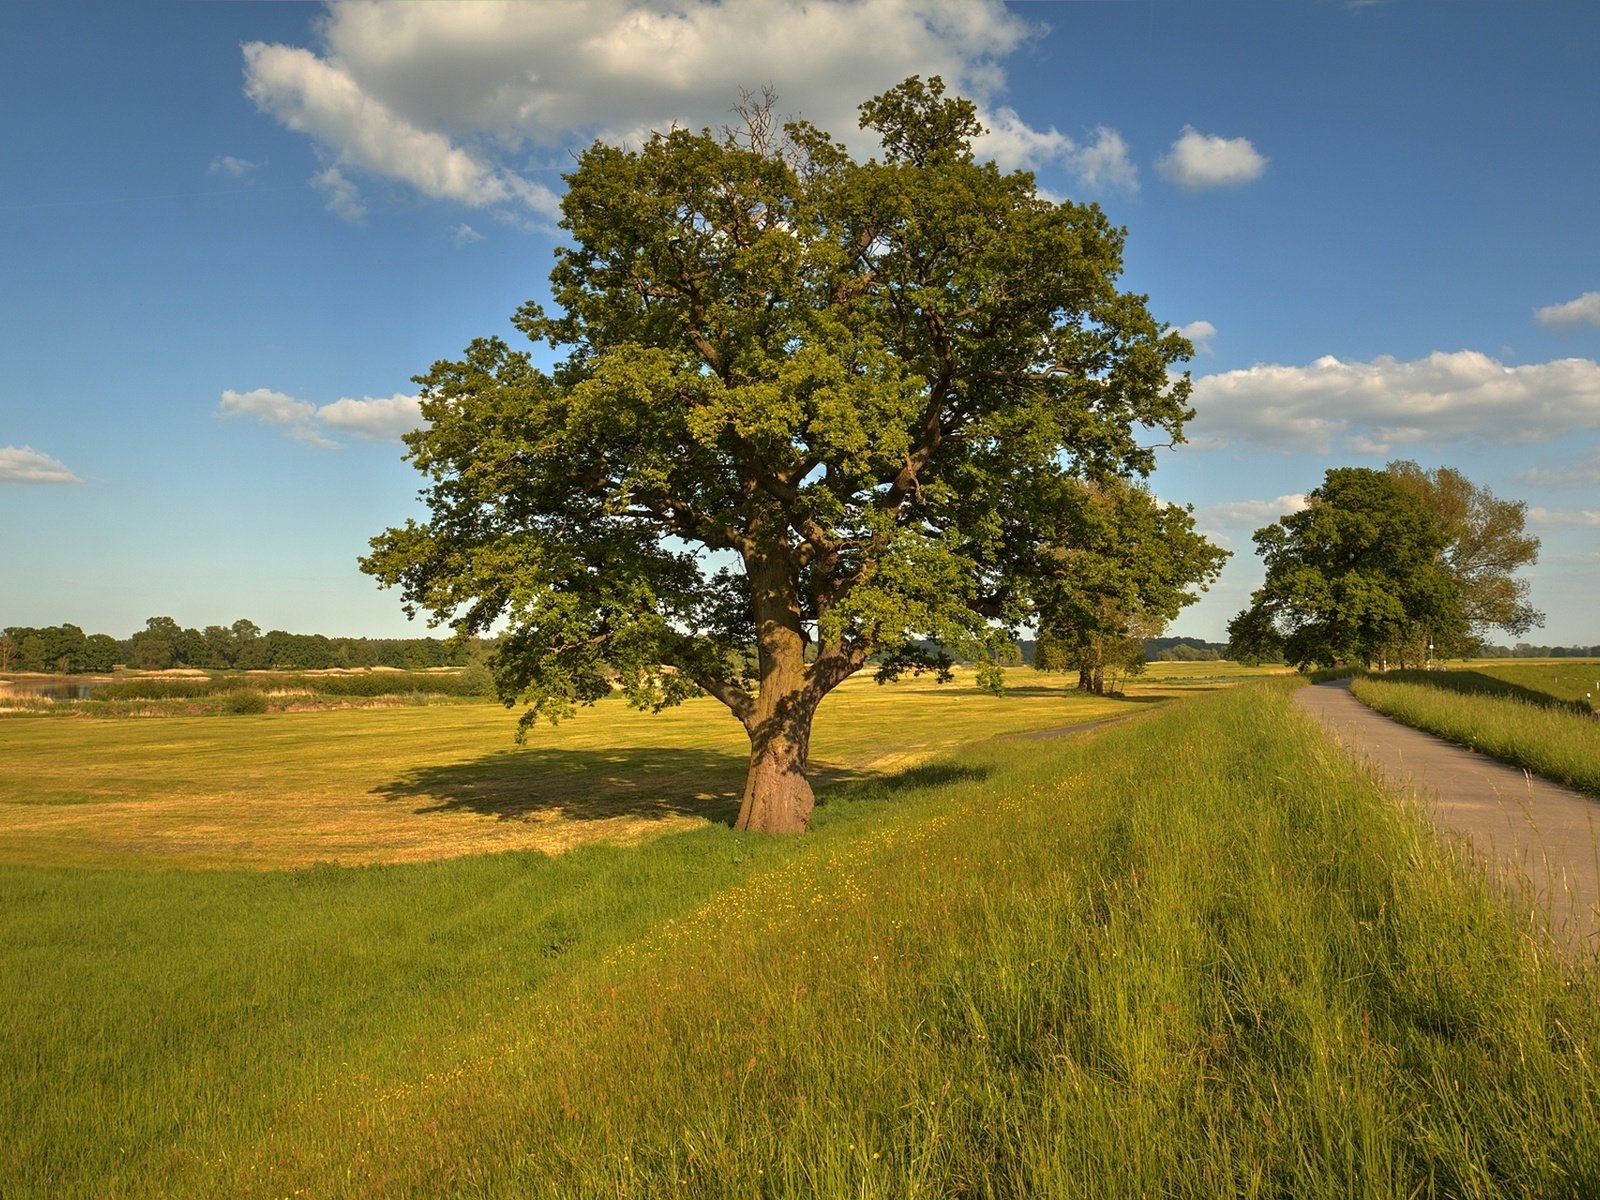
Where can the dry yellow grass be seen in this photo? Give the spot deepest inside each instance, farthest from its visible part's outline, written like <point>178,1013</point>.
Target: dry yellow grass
<point>359,786</point>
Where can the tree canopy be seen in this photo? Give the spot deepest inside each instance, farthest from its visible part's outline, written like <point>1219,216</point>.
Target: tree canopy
<point>1486,541</point>
<point>1124,565</point>
<point>1385,565</point>
<point>807,412</point>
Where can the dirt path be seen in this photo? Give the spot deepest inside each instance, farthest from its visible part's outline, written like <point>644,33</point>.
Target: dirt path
<point>1548,831</point>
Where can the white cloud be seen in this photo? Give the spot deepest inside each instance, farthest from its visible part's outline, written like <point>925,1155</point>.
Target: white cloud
<point>1102,165</point>
<point>1200,333</point>
<point>1546,518</point>
<point>1585,310</point>
<point>377,420</point>
<point>24,464</point>
<point>344,198</point>
<point>233,168</point>
<point>1372,406</point>
<point>1199,160</point>
<point>1250,514</point>
<point>275,408</point>
<point>371,419</point>
<point>315,97</point>
<point>465,235</point>
<point>461,100</point>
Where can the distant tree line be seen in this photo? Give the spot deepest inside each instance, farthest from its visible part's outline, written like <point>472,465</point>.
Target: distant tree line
<point>1523,650</point>
<point>1156,649</point>
<point>163,644</point>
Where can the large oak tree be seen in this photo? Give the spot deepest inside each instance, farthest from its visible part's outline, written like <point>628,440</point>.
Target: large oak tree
<point>1357,570</point>
<point>808,412</point>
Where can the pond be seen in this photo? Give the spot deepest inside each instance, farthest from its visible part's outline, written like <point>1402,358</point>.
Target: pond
<point>52,689</point>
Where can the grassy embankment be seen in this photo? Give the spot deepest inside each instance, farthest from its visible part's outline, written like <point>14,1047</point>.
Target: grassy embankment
<point>1195,954</point>
<point>1534,717</point>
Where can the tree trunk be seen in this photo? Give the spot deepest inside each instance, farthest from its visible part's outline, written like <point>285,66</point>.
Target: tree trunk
<point>777,795</point>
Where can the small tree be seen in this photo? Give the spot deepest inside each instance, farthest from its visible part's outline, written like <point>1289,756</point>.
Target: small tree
<point>1120,566</point>
<point>1358,570</point>
<point>810,410</point>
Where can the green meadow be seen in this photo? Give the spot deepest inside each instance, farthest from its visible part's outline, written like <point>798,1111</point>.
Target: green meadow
<point>1532,715</point>
<point>1196,952</point>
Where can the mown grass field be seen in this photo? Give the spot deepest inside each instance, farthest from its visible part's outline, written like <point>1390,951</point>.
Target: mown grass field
<point>1195,954</point>
<point>1531,715</point>
<point>408,783</point>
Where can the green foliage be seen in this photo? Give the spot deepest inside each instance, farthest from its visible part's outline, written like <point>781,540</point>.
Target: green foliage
<point>1485,542</point>
<point>60,649</point>
<point>1354,573</point>
<point>246,700</point>
<point>1122,565</point>
<point>810,412</point>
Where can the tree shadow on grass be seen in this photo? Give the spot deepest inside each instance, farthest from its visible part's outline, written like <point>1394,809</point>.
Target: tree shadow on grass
<point>1029,689</point>
<point>1476,683</point>
<point>589,785</point>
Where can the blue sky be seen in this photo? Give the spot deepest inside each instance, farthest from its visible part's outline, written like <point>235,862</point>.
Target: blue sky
<point>230,233</point>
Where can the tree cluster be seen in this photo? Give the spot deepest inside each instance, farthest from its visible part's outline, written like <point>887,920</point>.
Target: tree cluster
<point>1526,650</point>
<point>1392,567</point>
<point>63,649</point>
<point>163,644</point>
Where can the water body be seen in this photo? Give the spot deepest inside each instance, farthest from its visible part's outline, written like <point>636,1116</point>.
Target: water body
<point>53,689</point>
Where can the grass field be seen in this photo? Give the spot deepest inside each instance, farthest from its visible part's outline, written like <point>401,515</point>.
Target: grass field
<point>1530,715</point>
<point>1574,679</point>
<point>408,783</point>
<point>1196,954</point>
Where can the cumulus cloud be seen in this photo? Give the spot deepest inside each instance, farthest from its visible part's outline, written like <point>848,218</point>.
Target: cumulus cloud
<point>1198,161</point>
<point>1585,310</point>
<point>1250,514</point>
<point>1101,164</point>
<point>1370,407</point>
<point>1547,518</point>
<point>381,419</point>
<point>469,101</point>
<point>233,168</point>
<point>295,417</point>
<point>1200,333</point>
<point>24,464</point>
<point>371,419</point>
<point>465,235</point>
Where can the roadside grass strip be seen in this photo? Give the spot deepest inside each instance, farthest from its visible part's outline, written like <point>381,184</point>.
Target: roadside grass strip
<point>1547,736</point>
<point>1199,953</point>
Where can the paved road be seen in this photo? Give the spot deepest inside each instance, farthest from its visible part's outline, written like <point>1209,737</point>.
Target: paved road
<point>1548,831</point>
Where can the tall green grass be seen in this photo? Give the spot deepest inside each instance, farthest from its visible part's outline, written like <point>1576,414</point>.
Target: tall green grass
<point>1196,954</point>
<point>1545,735</point>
